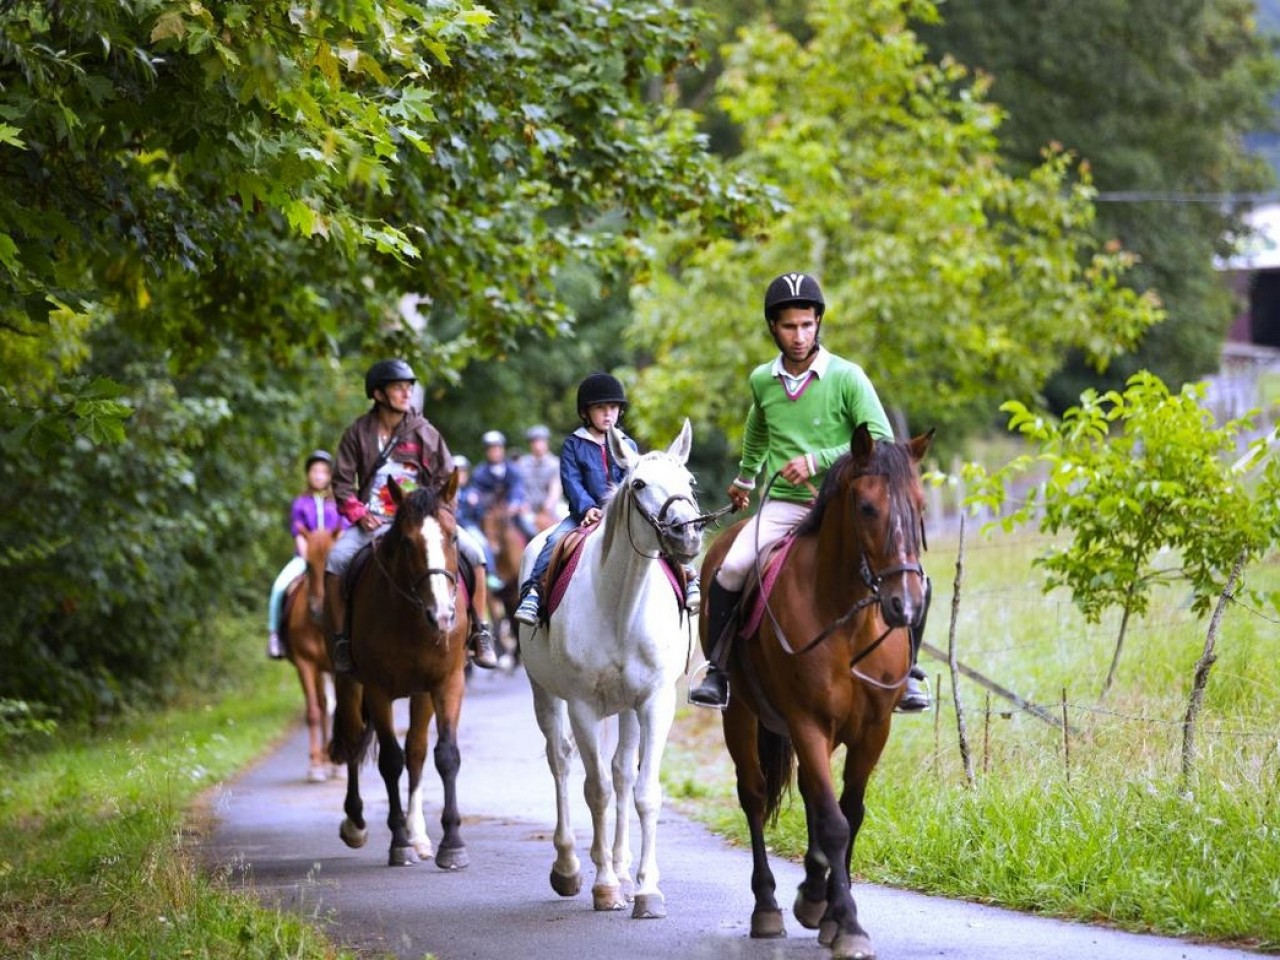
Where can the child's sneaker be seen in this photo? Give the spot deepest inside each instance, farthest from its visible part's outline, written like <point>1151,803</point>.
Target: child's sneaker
<point>527,612</point>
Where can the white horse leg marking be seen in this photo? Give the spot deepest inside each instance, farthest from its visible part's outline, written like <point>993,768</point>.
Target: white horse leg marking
<point>625,760</point>
<point>566,872</point>
<point>606,892</point>
<point>416,824</point>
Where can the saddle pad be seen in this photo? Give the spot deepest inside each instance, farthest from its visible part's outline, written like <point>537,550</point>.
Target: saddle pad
<point>756,601</point>
<point>570,564</point>
<point>291,595</point>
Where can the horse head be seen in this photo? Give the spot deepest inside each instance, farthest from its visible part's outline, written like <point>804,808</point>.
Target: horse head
<point>885,504</point>
<point>661,490</point>
<point>423,551</point>
<point>319,544</point>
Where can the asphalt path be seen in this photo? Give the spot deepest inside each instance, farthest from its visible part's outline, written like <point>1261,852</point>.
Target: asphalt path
<point>278,835</point>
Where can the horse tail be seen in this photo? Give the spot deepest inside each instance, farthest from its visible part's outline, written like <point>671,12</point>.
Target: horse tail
<point>352,728</point>
<point>777,760</point>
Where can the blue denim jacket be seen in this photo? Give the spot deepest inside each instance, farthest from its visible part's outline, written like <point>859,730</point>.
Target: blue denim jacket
<point>588,471</point>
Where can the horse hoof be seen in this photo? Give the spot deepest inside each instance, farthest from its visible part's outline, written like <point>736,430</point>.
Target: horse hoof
<point>566,886</point>
<point>318,773</point>
<point>767,925</point>
<point>827,931</point>
<point>353,836</point>
<point>649,906</point>
<point>402,857</point>
<point>628,888</point>
<point>454,858</point>
<point>809,912</point>
<point>853,946</point>
<point>423,849</point>
<point>607,898</point>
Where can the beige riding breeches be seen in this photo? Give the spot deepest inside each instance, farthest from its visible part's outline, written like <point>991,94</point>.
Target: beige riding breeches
<point>770,524</point>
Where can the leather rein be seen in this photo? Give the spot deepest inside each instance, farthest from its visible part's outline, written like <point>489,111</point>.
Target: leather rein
<point>414,592</point>
<point>870,578</point>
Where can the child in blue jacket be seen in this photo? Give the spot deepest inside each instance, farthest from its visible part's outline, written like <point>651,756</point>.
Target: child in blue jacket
<point>587,474</point>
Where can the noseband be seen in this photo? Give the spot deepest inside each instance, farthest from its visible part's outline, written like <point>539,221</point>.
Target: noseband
<point>413,595</point>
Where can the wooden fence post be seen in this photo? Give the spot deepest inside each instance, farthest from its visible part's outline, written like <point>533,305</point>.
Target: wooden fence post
<point>961,730</point>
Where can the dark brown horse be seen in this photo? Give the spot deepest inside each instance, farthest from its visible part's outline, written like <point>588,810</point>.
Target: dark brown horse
<point>408,639</point>
<point>849,586</point>
<point>306,649</point>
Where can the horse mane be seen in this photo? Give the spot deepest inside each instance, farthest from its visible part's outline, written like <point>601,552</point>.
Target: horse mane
<point>422,502</point>
<point>888,459</point>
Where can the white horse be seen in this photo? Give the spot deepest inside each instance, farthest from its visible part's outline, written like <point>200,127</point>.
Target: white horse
<point>615,647</point>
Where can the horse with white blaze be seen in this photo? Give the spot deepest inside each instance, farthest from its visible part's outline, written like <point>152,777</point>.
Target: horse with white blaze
<point>615,646</point>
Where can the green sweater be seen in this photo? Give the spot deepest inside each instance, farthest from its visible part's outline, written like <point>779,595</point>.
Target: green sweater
<point>819,421</point>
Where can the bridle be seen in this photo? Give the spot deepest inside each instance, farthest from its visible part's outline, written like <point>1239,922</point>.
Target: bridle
<point>666,528</point>
<point>870,578</point>
<point>413,595</point>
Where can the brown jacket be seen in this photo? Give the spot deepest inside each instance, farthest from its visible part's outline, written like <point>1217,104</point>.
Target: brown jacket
<point>416,441</point>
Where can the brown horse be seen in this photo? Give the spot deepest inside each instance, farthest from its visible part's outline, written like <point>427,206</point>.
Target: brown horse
<point>306,649</point>
<point>850,584</point>
<point>507,541</point>
<point>408,639</point>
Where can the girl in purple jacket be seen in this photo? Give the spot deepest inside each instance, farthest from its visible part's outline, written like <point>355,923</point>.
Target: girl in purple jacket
<point>314,510</point>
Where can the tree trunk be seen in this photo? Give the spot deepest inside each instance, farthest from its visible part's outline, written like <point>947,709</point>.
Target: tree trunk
<point>1203,665</point>
<point>961,730</point>
<point>1124,626</point>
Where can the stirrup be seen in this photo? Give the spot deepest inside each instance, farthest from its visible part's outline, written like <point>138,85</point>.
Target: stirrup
<point>705,670</point>
<point>920,701</point>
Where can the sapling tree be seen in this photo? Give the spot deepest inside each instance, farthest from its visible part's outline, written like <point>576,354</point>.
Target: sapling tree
<point>1149,488</point>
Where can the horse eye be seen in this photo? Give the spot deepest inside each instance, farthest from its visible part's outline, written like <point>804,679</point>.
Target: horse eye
<point>869,510</point>
<point>637,485</point>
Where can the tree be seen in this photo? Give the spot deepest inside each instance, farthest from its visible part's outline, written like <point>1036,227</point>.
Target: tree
<point>208,217</point>
<point>1144,484</point>
<point>1157,97</point>
<point>953,281</point>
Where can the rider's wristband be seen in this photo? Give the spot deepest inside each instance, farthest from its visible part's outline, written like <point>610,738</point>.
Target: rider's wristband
<point>744,484</point>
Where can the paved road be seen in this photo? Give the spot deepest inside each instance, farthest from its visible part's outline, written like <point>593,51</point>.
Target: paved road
<point>279,835</point>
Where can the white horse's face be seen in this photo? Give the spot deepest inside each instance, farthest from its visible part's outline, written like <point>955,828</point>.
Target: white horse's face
<point>663,492</point>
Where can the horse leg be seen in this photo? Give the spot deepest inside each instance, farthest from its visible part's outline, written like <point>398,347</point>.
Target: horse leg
<point>391,765</point>
<point>840,925</point>
<point>420,710</point>
<point>566,872</point>
<point>742,739</point>
<point>606,893</point>
<point>655,723</point>
<point>348,746</point>
<point>811,897</point>
<point>626,758</point>
<point>452,854</point>
<point>313,694</point>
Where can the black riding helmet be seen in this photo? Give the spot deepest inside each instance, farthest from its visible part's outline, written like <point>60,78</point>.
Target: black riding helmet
<point>387,371</point>
<point>600,388</point>
<point>318,456</point>
<point>794,290</point>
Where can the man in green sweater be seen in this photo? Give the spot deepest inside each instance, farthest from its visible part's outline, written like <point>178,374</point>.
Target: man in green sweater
<point>805,405</point>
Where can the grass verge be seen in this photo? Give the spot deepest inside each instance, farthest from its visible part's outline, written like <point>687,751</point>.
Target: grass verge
<point>98,853</point>
<point>1109,834</point>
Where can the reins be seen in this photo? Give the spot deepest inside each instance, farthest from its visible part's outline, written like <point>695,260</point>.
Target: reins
<point>413,595</point>
<point>872,581</point>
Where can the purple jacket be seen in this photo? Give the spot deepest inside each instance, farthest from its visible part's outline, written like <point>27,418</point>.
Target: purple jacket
<point>302,517</point>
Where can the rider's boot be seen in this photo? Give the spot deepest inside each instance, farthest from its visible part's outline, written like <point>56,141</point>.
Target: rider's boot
<point>914,697</point>
<point>530,601</point>
<point>335,602</point>
<point>722,609</point>
<point>481,638</point>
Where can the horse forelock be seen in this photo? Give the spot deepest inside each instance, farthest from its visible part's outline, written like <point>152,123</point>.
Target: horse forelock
<point>889,460</point>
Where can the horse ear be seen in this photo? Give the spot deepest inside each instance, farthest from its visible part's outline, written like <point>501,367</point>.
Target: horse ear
<point>397,494</point>
<point>919,446</point>
<point>450,487</point>
<point>621,452</point>
<point>681,445</point>
<point>862,443</point>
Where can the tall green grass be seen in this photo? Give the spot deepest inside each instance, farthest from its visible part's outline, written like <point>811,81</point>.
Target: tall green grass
<point>97,850</point>
<point>1112,835</point>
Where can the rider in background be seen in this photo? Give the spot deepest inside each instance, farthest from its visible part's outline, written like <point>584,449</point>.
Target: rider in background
<point>541,470</point>
<point>499,481</point>
<point>314,510</point>
<point>391,441</point>
<point>588,473</point>
<point>805,405</point>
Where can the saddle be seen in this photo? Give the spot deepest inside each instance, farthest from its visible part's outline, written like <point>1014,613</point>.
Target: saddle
<point>758,588</point>
<point>564,562</point>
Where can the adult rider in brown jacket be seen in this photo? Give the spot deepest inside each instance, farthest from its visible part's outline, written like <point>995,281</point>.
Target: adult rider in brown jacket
<point>391,441</point>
